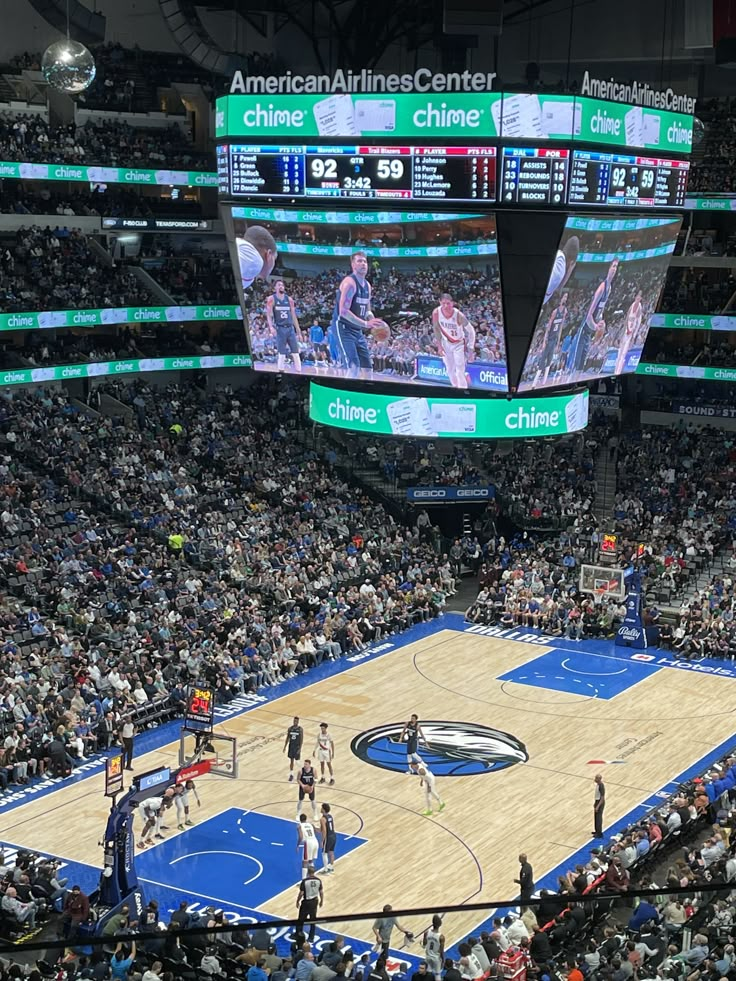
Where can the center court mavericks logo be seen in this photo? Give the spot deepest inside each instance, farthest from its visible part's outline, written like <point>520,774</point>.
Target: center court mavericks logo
<point>456,749</point>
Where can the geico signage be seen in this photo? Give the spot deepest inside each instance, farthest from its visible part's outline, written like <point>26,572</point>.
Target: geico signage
<point>472,492</point>
<point>426,494</point>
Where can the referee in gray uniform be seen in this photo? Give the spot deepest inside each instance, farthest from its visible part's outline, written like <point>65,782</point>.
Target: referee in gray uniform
<point>310,897</point>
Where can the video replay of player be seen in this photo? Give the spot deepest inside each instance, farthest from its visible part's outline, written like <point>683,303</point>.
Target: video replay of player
<point>391,297</point>
<point>606,280</point>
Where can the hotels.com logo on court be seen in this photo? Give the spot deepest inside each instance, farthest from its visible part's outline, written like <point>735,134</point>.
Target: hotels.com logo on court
<point>670,662</point>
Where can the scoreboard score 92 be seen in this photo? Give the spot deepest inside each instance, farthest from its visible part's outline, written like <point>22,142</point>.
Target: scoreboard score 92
<point>200,706</point>
<point>506,175</point>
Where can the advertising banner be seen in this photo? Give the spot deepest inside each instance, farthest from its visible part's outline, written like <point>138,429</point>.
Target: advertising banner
<point>160,224</point>
<point>322,217</point>
<point>692,321</point>
<point>460,115</point>
<point>711,411</point>
<point>727,202</point>
<point>106,175</point>
<point>397,252</point>
<point>457,418</point>
<point>27,376</point>
<point>631,633</point>
<point>482,374</point>
<point>52,319</point>
<point>686,371</point>
<point>450,495</point>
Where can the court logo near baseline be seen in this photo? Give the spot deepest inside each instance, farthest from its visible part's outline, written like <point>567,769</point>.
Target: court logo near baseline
<point>455,749</point>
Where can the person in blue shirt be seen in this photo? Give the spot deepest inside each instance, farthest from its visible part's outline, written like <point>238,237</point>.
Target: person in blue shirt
<point>121,962</point>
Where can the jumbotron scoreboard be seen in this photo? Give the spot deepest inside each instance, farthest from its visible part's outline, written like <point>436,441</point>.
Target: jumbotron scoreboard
<point>558,156</point>
<point>547,220</point>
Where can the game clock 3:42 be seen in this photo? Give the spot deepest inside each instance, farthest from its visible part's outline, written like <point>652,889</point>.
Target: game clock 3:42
<point>200,706</point>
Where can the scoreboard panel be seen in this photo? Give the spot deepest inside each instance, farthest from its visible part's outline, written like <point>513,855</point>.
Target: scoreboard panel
<point>397,172</point>
<point>534,175</point>
<point>527,176</point>
<point>617,179</point>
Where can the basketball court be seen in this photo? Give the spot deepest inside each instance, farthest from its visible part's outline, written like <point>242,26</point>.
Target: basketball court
<point>519,725</point>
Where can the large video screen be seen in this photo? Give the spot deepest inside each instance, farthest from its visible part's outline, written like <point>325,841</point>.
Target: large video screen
<point>396,297</point>
<point>605,283</point>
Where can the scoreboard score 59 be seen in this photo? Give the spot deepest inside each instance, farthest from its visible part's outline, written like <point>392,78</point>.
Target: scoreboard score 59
<point>511,175</point>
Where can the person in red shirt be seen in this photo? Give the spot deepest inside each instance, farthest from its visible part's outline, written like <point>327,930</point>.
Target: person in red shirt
<point>573,971</point>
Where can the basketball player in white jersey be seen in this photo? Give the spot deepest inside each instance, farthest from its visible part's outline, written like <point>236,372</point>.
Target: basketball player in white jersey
<point>324,752</point>
<point>307,844</point>
<point>428,782</point>
<point>634,317</point>
<point>434,948</point>
<point>562,267</point>
<point>257,254</point>
<point>181,799</point>
<point>152,811</point>
<point>455,339</point>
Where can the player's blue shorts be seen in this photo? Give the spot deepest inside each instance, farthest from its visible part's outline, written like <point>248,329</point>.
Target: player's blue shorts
<point>353,346</point>
<point>585,336</point>
<point>333,344</point>
<point>286,342</point>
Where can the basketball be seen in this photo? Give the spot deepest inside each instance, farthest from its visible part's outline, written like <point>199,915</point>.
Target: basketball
<point>381,332</point>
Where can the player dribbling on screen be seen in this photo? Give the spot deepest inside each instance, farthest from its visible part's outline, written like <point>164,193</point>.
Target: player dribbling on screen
<point>283,321</point>
<point>455,339</point>
<point>353,319</point>
<point>632,326</point>
<point>594,324</point>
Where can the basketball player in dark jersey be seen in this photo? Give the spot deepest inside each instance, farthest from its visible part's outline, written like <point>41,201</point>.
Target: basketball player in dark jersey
<point>282,319</point>
<point>594,322</point>
<point>329,840</point>
<point>555,329</point>
<point>353,319</point>
<point>412,733</point>
<point>293,745</point>
<point>306,780</point>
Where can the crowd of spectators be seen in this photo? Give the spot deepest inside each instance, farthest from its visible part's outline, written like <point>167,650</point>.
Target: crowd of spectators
<point>714,173</point>
<point>701,348</point>
<point>198,542</point>
<point>56,269</point>
<point>106,143</point>
<point>697,290</point>
<point>203,277</point>
<point>644,929</point>
<point>31,348</point>
<point>115,201</point>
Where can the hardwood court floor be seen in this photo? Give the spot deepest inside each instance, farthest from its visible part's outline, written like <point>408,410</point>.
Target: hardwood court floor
<point>661,725</point>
